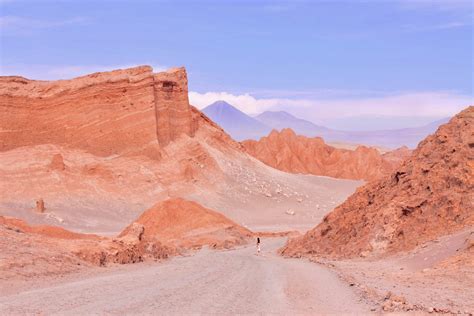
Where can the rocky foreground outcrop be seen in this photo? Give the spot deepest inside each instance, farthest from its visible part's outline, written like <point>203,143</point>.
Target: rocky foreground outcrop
<point>167,229</point>
<point>429,195</point>
<point>38,250</point>
<point>293,153</point>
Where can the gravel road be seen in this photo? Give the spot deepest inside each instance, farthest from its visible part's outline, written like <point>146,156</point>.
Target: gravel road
<point>209,282</point>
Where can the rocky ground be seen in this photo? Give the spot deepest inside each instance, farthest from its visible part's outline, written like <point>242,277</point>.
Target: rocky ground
<point>436,277</point>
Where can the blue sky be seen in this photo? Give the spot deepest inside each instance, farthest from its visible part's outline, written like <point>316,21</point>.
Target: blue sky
<point>384,63</point>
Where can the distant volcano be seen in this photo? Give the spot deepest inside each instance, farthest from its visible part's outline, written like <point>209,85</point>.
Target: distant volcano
<point>235,122</point>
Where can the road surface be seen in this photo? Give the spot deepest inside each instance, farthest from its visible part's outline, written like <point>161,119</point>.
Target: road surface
<point>209,282</point>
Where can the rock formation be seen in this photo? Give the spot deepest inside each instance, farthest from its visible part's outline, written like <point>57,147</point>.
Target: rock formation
<point>156,234</point>
<point>397,156</point>
<point>101,148</point>
<point>57,163</point>
<point>289,152</point>
<point>128,112</point>
<point>173,113</point>
<point>38,250</point>
<point>428,196</point>
<point>187,224</point>
<point>40,206</point>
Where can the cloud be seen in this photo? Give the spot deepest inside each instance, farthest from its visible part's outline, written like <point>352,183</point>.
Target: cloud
<point>24,25</point>
<point>409,104</point>
<point>443,26</point>
<point>48,72</point>
<point>451,5</point>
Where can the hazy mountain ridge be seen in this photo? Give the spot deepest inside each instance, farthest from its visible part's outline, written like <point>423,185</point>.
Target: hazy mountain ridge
<point>235,122</point>
<point>242,126</point>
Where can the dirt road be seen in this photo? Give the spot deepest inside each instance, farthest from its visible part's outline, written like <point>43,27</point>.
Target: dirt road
<point>209,282</point>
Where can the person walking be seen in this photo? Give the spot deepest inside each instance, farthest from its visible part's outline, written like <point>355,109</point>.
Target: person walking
<point>258,245</point>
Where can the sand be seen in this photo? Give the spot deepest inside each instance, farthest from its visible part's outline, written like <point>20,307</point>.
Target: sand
<point>209,282</point>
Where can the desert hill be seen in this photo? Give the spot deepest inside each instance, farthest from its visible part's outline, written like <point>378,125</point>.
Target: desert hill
<point>187,224</point>
<point>289,152</point>
<point>428,196</point>
<point>100,149</point>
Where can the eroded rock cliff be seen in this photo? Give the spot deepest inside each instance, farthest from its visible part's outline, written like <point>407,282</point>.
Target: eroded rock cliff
<point>293,153</point>
<point>122,112</point>
<point>429,195</point>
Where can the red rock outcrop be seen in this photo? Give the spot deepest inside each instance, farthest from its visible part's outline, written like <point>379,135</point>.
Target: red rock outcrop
<point>397,156</point>
<point>121,112</point>
<point>57,163</point>
<point>289,152</point>
<point>187,224</point>
<point>38,250</point>
<point>429,195</point>
<point>40,206</point>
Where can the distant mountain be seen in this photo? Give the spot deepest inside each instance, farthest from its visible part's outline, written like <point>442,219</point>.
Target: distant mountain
<point>242,126</point>
<point>385,138</point>
<point>235,122</point>
<point>395,138</point>
<point>281,119</point>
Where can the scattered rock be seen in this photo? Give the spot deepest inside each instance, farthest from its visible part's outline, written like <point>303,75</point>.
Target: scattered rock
<point>40,208</point>
<point>57,163</point>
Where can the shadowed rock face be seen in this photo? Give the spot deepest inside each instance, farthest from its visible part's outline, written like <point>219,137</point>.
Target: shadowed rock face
<point>173,114</point>
<point>428,196</point>
<point>122,112</point>
<point>293,153</point>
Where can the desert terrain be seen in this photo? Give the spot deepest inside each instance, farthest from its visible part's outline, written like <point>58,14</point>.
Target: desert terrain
<point>113,185</point>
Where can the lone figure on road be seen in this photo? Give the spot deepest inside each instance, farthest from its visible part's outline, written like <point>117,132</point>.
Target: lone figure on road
<point>258,244</point>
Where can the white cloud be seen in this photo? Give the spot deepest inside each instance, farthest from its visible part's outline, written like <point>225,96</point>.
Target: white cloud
<point>458,5</point>
<point>410,104</point>
<point>48,72</point>
<point>435,27</point>
<point>24,24</point>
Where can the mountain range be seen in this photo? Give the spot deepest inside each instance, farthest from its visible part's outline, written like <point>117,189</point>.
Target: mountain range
<point>242,126</point>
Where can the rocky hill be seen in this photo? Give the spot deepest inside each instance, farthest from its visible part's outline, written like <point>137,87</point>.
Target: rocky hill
<point>293,153</point>
<point>97,150</point>
<point>187,224</point>
<point>429,195</point>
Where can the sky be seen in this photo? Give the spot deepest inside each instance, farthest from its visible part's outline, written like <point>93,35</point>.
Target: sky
<point>346,64</point>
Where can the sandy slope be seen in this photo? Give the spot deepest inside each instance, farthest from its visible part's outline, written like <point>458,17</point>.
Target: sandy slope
<point>222,282</point>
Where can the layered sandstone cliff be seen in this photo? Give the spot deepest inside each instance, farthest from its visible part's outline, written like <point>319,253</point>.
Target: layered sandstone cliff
<point>122,112</point>
<point>289,152</point>
<point>429,195</point>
